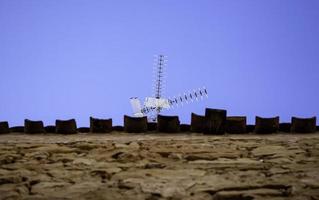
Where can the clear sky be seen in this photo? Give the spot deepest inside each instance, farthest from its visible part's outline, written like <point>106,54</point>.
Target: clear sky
<point>62,59</point>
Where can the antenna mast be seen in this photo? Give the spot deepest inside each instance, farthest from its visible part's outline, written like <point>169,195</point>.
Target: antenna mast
<point>159,75</point>
<point>159,82</point>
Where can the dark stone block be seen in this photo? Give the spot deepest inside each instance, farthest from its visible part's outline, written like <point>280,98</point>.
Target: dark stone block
<point>4,127</point>
<point>250,128</point>
<point>135,124</point>
<point>33,126</point>
<point>66,126</point>
<point>168,124</point>
<point>118,128</point>
<point>84,130</point>
<point>303,125</point>
<point>49,129</point>
<point>17,129</point>
<point>317,128</point>
<point>236,124</point>
<point>185,128</point>
<point>197,123</point>
<point>215,121</point>
<point>285,127</point>
<point>151,126</point>
<point>267,125</point>
<point>100,125</point>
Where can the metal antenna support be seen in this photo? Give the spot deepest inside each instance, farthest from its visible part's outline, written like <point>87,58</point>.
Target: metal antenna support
<point>159,82</point>
<point>159,76</point>
<point>153,105</point>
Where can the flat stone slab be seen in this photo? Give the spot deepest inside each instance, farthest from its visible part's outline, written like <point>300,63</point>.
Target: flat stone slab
<point>159,166</point>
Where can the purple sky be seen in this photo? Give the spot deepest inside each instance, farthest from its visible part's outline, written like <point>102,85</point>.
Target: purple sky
<point>75,59</point>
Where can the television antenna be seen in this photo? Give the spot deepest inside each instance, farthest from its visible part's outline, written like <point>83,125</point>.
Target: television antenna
<point>153,106</point>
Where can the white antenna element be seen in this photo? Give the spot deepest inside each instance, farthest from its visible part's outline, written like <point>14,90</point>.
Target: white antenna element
<point>154,105</point>
<point>188,98</point>
<point>137,108</point>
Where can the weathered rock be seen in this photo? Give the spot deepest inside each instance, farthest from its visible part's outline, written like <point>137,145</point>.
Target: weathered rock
<point>236,124</point>
<point>100,125</point>
<point>17,129</point>
<point>49,129</point>
<point>48,187</point>
<point>284,127</point>
<point>250,128</point>
<point>33,126</point>
<point>177,166</point>
<point>83,129</point>
<point>135,124</point>
<point>267,125</point>
<point>185,127</point>
<point>249,194</point>
<point>118,128</point>
<point>215,121</point>
<point>4,127</point>
<point>197,123</point>
<point>66,126</point>
<point>268,150</point>
<point>151,126</point>
<point>303,125</point>
<point>168,124</point>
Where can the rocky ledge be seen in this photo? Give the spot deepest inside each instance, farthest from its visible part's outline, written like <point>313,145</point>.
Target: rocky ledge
<point>150,167</point>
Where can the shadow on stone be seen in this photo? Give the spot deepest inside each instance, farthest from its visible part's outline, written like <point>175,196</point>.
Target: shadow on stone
<point>285,127</point>
<point>49,129</point>
<point>168,124</point>
<point>215,121</point>
<point>266,125</point>
<point>151,126</point>
<point>250,128</point>
<point>135,124</point>
<point>118,128</point>
<point>197,123</point>
<point>33,126</point>
<point>303,125</point>
<point>185,128</point>
<point>66,126</point>
<point>236,124</point>
<point>4,127</point>
<point>17,129</point>
<point>83,129</point>
<point>100,125</point>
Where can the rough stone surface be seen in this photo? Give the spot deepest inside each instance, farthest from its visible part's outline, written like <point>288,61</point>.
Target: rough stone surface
<point>168,124</point>
<point>285,127</point>
<point>118,128</point>
<point>135,124</point>
<point>4,127</point>
<point>185,127</point>
<point>236,124</point>
<point>303,125</point>
<point>159,166</point>
<point>100,125</point>
<point>49,129</point>
<point>250,128</point>
<point>66,126</point>
<point>215,121</point>
<point>83,129</point>
<point>266,125</point>
<point>151,126</point>
<point>197,123</point>
<point>33,126</point>
<point>17,129</point>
